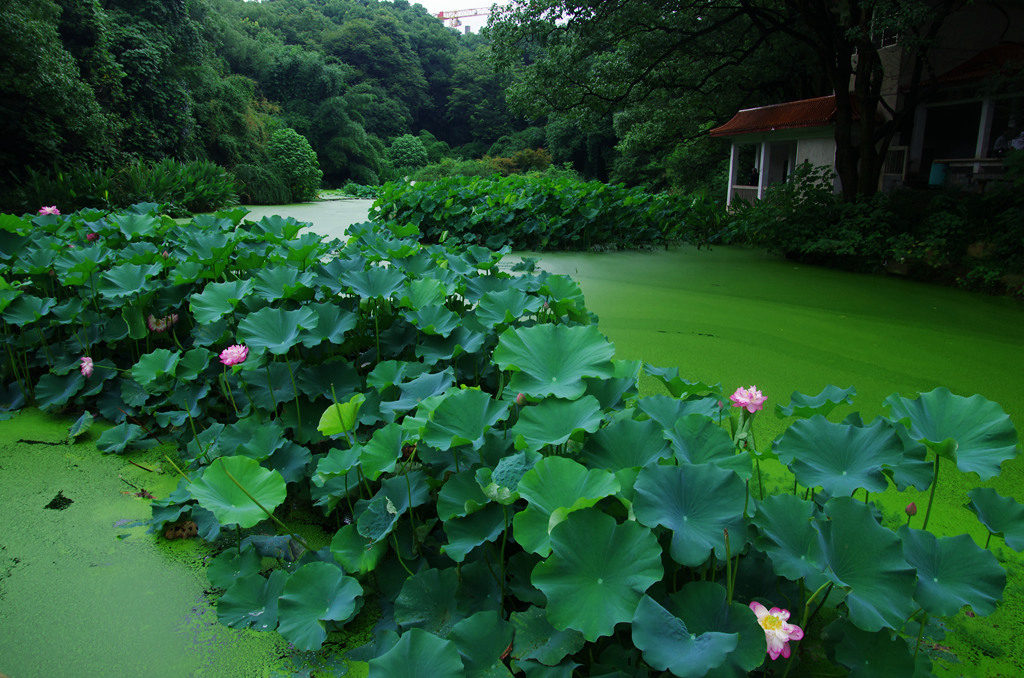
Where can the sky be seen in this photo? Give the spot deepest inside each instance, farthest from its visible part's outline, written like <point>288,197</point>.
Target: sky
<point>475,23</point>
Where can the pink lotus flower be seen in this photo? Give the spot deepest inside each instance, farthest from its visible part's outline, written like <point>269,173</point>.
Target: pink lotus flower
<point>234,355</point>
<point>777,629</point>
<point>162,324</point>
<point>86,366</point>
<point>750,398</point>
<point>49,209</point>
<point>92,236</point>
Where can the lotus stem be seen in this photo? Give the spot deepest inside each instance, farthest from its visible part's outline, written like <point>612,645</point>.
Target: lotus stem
<point>398,554</point>
<point>295,390</point>
<point>270,387</point>
<point>920,632</point>
<point>504,538</point>
<point>227,390</point>
<point>270,515</point>
<point>987,539</point>
<point>931,494</point>
<point>180,472</point>
<point>728,569</point>
<point>807,605</point>
<point>46,349</point>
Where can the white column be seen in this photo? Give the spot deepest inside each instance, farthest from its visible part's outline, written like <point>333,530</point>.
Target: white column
<point>762,171</point>
<point>733,154</point>
<point>984,130</point>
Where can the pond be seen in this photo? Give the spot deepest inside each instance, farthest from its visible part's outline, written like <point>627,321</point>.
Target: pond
<point>85,592</point>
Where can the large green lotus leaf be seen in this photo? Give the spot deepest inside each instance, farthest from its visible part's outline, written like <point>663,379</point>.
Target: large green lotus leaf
<point>536,639</point>
<point>801,405</point>
<point>356,553</point>
<point>462,418</point>
<point>126,280</point>
<point>419,389</point>
<point>698,440</point>
<point>973,432</point>
<point>676,385</point>
<point>27,309</point>
<point>697,503</point>
<point>482,640</point>
<point>35,261</point>
<point>377,281</point>
<point>867,559</point>
<point>435,348</point>
<point>251,601</point>
<point>208,244</point>
<point>333,322</point>
<point>871,654</point>
<point>419,654</point>
<point>625,443</point>
<point>704,608</point>
<point>134,225</point>
<point>914,469</point>
<point>424,292</point>
<point>218,299</point>
<point>382,512</point>
<point>279,228</point>
<point>460,495</point>
<point>391,372</point>
<point>552,360</point>
<point>465,534</point>
<point>1002,516</point>
<point>788,535</point>
<point>341,417</point>
<point>80,426</point>
<point>315,593</point>
<point>500,484</point>
<point>668,645</point>
<point>952,572</point>
<point>230,565</point>
<point>506,306</point>
<point>337,377</point>
<point>667,411</point>
<point>336,463</point>
<point>281,282</point>
<point>427,601</point>
<point>433,320</point>
<point>379,454</point>
<point>554,488</point>
<point>253,437</point>
<point>275,329</point>
<point>155,370</point>
<point>554,421</point>
<point>217,492</point>
<point>597,572</point>
<point>8,293</point>
<point>55,391</point>
<point>565,296</point>
<point>839,457</point>
<point>120,437</point>
<point>567,669</point>
<point>610,392</point>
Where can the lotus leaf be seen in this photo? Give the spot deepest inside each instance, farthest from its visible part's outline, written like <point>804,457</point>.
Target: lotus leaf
<point>427,601</point>
<point>789,537</point>
<point>554,488</point>
<point>554,421</point>
<point>333,322</point>
<point>500,484</point>
<point>315,593</point>
<point>419,654</point>
<point>216,491</point>
<point>341,417</point>
<point>459,496</point>
<point>536,639</point>
<point>482,640</point>
<point>952,572</point>
<point>1000,515</point>
<point>275,329</point>
<point>229,565</point>
<point>505,307</point>
<point>26,309</point>
<point>356,553</point>
<point>839,457</point>
<point>867,559</point>
<point>676,385</point>
<point>54,391</point>
<point>597,572</point>
<point>134,224</point>
<point>626,443</point>
<point>434,320</point>
<point>125,280</point>
<point>155,370</point>
<point>667,411</point>
<point>462,418</point>
<point>872,654</point>
<point>375,282</point>
<point>120,437</point>
<point>698,440</point>
<point>552,360</point>
<point>218,299</point>
<point>379,454</point>
<point>669,645</point>
<point>973,432</point>
<point>697,503</point>
<point>801,405</point>
<point>281,282</point>
<point>465,534</point>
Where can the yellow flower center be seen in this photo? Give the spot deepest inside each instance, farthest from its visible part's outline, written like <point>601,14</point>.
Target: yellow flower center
<point>770,622</point>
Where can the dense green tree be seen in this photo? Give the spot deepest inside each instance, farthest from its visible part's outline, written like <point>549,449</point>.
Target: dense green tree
<point>295,162</point>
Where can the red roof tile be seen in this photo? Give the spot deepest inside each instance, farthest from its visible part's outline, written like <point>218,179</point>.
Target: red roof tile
<point>816,112</point>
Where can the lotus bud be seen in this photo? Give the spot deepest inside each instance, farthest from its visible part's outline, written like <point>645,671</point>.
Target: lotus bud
<point>911,510</point>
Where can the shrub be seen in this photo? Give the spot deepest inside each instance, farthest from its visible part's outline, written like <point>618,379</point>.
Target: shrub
<point>294,160</point>
<point>407,152</point>
<point>259,185</point>
<point>450,167</point>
